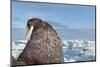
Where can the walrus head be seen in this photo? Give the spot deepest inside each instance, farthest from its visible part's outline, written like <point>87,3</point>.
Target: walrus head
<point>33,23</point>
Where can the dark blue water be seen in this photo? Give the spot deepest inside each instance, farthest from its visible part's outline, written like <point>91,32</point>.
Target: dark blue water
<point>68,34</point>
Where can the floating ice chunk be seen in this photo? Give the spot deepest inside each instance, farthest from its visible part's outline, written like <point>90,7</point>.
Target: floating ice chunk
<point>64,42</point>
<point>69,60</point>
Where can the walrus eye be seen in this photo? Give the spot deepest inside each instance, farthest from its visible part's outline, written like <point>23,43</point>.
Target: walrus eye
<point>29,32</point>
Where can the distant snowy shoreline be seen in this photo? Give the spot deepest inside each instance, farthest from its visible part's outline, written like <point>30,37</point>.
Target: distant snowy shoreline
<point>74,50</point>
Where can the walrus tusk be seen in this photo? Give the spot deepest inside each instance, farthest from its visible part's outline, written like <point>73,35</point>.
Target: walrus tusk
<point>29,32</point>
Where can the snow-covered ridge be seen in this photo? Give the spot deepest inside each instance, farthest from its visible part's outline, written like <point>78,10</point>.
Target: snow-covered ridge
<point>74,50</point>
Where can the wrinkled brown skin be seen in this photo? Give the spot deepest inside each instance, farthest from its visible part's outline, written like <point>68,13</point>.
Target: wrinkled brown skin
<point>44,46</point>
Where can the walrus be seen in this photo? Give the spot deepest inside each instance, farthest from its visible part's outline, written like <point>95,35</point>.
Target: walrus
<point>44,44</point>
